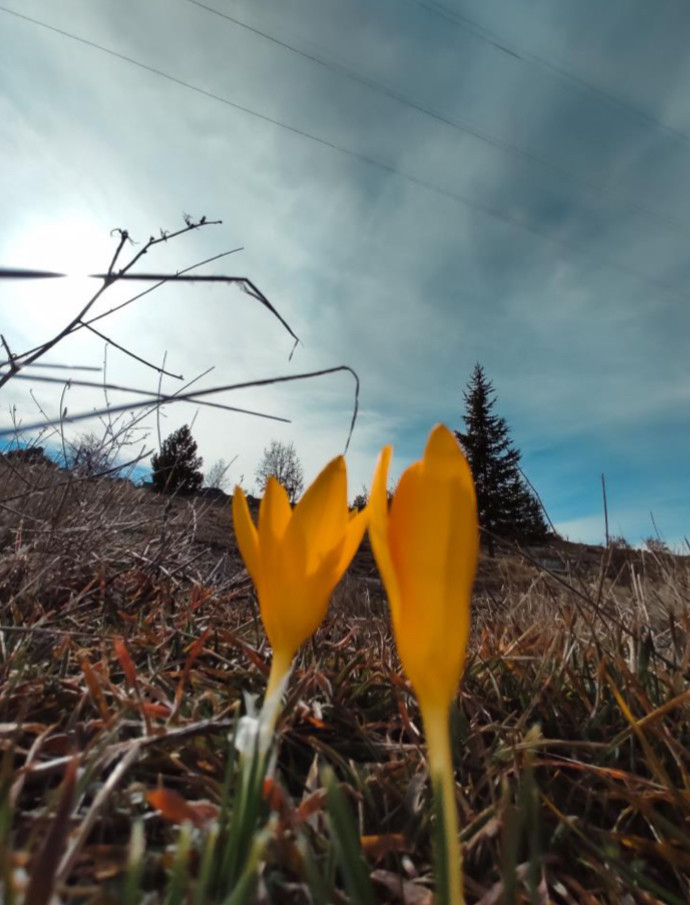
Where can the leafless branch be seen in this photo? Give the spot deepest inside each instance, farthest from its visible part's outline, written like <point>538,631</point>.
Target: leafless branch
<point>61,367</point>
<point>22,273</point>
<point>109,279</point>
<point>131,354</point>
<point>195,398</point>
<point>129,301</point>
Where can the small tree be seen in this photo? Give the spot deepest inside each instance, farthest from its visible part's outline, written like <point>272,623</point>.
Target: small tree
<point>217,477</point>
<point>657,546</point>
<point>507,507</point>
<point>281,461</point>
<point>361,499</point>
<point>89,455</point>
<point>177,468</point>
<point>618,542</point>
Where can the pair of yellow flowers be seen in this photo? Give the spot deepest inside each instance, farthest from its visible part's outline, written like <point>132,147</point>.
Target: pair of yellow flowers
<point>426,547</point>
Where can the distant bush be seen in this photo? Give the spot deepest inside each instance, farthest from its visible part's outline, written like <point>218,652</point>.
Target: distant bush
<point>618,542</point>
<point>281,462</point>
<point>89,455</point>
<point>29,455</point>
<point>361,499</point>
<point>217,476</point>
<point>657,545</point>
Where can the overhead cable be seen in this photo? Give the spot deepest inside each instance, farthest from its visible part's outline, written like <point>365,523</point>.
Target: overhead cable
<point>472,204</point>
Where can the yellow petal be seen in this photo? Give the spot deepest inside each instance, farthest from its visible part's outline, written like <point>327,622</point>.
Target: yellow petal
<point>320,518</point>
<point>245,533</point>
<point>274,511</point>
<point>403,540</point>
<point>309,611</point>
<point>292,607</point>
<point>354,532</point>
<point>378,527</point>
<point>276,567</point>
<point>445,457</point>
<point>434,546</point>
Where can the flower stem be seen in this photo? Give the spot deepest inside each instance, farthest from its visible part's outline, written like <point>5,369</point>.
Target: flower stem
<point>280,667</point>
<point>449,853</point>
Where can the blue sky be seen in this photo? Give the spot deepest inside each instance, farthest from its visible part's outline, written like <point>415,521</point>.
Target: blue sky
<point>533,216</point>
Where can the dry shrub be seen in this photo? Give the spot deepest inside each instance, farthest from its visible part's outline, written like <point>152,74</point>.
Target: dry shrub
<point>66,539</point>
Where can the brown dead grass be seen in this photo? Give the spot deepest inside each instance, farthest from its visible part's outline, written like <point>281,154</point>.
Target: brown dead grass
<point>129,634</point>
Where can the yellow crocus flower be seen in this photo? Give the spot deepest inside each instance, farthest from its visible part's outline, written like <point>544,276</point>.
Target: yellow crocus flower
<point>426,548</point>
<point>297,557</point>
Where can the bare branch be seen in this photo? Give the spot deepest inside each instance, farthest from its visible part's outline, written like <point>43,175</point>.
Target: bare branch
<point>124,237</point>
<point>10,357</point>
<point>189,227</point>
<point>244,283</point>
<point>132,354</point>
<point>163,280</point>
<point>195,398</point>
<point>21,273</point>
<point>153,400</point>
<point>134,298</point>
<point>59,367</point>
<point>108,280</point>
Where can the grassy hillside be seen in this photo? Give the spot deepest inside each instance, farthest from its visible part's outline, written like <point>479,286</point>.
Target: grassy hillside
<point>129,637</point>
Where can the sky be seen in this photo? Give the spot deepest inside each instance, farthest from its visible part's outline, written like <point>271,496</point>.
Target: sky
<point>415,187</point>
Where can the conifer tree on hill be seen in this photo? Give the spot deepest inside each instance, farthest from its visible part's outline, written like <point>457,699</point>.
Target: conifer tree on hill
<point>177,468</point>
<point>507,507</point>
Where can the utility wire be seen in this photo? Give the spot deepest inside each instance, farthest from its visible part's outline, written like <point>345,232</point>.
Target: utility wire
<point>382,165</point>
<point>525,56</point>
<point>506,147</point>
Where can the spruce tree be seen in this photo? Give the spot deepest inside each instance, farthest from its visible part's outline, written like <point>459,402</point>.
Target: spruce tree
<point>507,507</point>
<point>176,468</point>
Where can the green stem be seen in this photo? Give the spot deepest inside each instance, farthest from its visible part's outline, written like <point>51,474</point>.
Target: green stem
<point>436,725</point>
<point>280,667</point>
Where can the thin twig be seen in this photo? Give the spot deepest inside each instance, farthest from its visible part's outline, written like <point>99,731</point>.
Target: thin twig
<point>194,397</point>
<point>59,367</point>
<point>22,273</point>
<point>108,281</point>
<point>135,298</point>
<point>143,361</point>
<point>152,400</point>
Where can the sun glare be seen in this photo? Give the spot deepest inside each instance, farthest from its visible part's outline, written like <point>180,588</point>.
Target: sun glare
<point>74,246</point>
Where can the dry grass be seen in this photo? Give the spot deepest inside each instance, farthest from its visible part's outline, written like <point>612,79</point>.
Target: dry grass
<point>130,633</point>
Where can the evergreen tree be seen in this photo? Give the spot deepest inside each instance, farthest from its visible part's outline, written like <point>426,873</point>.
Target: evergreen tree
<point>507,507</point>
<point>176,468</point>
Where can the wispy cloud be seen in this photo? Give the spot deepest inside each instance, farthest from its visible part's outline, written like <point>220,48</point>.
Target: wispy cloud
<point>553,252</point>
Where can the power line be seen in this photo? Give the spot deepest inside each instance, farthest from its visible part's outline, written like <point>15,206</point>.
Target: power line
<point>505,146</point>
<point>525,56</point>
<point>453,195</point>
